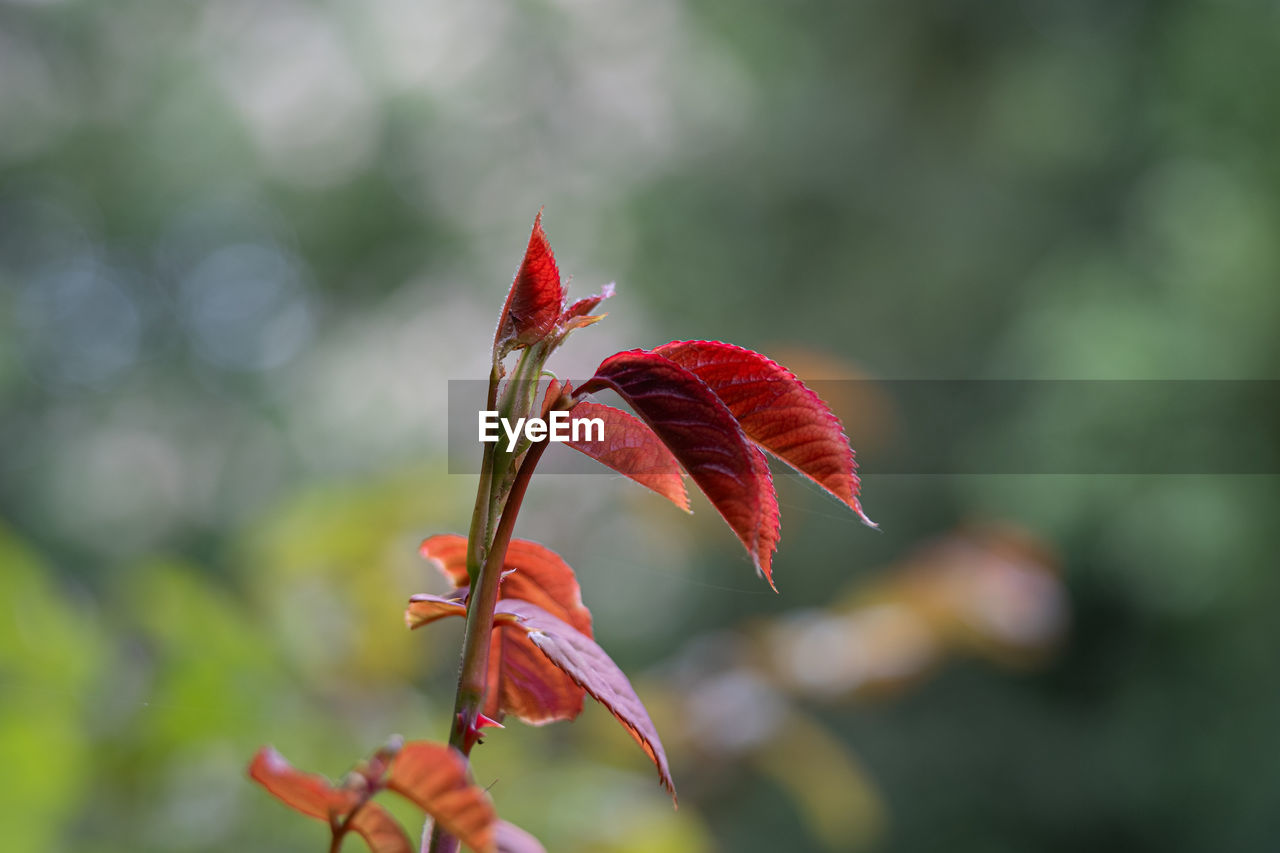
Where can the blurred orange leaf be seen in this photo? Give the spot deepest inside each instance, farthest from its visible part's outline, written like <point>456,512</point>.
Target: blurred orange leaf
<point>380,831</point>
<point>436,779</point>
<point>309,793</point>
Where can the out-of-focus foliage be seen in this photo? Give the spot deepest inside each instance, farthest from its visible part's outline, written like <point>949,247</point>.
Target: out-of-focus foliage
<point>243,245</point>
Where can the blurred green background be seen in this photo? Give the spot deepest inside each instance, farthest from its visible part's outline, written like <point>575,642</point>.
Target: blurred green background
<point>244,245</point>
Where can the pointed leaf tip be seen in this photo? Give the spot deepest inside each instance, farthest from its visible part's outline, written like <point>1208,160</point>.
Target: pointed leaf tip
<point>536,297</point>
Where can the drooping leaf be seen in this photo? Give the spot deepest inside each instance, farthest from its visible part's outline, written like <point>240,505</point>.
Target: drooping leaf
<point>536,297</point>
<point>705,437</point>
<point>424,609</point>
<point>435,778</point>
<point>513,839</point>
<point>777,411</point>
<point>380,831</point>
<point>631,448</point>
<point>309,793</point>
<point>521,682</point>
<point>592,669</point>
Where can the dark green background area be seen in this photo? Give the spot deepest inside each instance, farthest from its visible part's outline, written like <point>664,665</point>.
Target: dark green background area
<point>244,246</point>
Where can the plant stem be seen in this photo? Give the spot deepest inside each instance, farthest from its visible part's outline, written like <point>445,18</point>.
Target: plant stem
<point>473,676</point>
<point>338,830</point>
<point>477,536</point>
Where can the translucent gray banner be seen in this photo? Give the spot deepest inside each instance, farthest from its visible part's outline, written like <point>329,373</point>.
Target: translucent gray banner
<point>1134,427</point>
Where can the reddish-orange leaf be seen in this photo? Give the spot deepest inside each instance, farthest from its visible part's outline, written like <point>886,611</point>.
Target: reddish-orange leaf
<point>513,839</point>
<point>539,576</point>
<point>380,830</point>
<point>424,609</point>
<point>448,552</point>
<point>588,665</point>
<point>531,572</point>
<point>521,682</point>
<point>706,439</point>
<point>435,778</point>
<point>777,411</point>
<point>309,793</point>
<point>631,448</point>
<point>536,297</point>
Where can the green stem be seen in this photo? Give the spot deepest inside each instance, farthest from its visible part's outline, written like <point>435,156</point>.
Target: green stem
<point>478,536</point>
<point>474,673</point>
<point>517,402</point>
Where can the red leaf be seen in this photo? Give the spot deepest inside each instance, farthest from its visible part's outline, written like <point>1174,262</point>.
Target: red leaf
<point>631,448</point>
<point>535,299</point>
<point>777,411</point>
<point>309,793</point>
<point>588,665</point>
<point>706,439</point>
<point>513,839</point>
<point>520,680</point>
<point>435,778</point>
<point>380,830</point>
